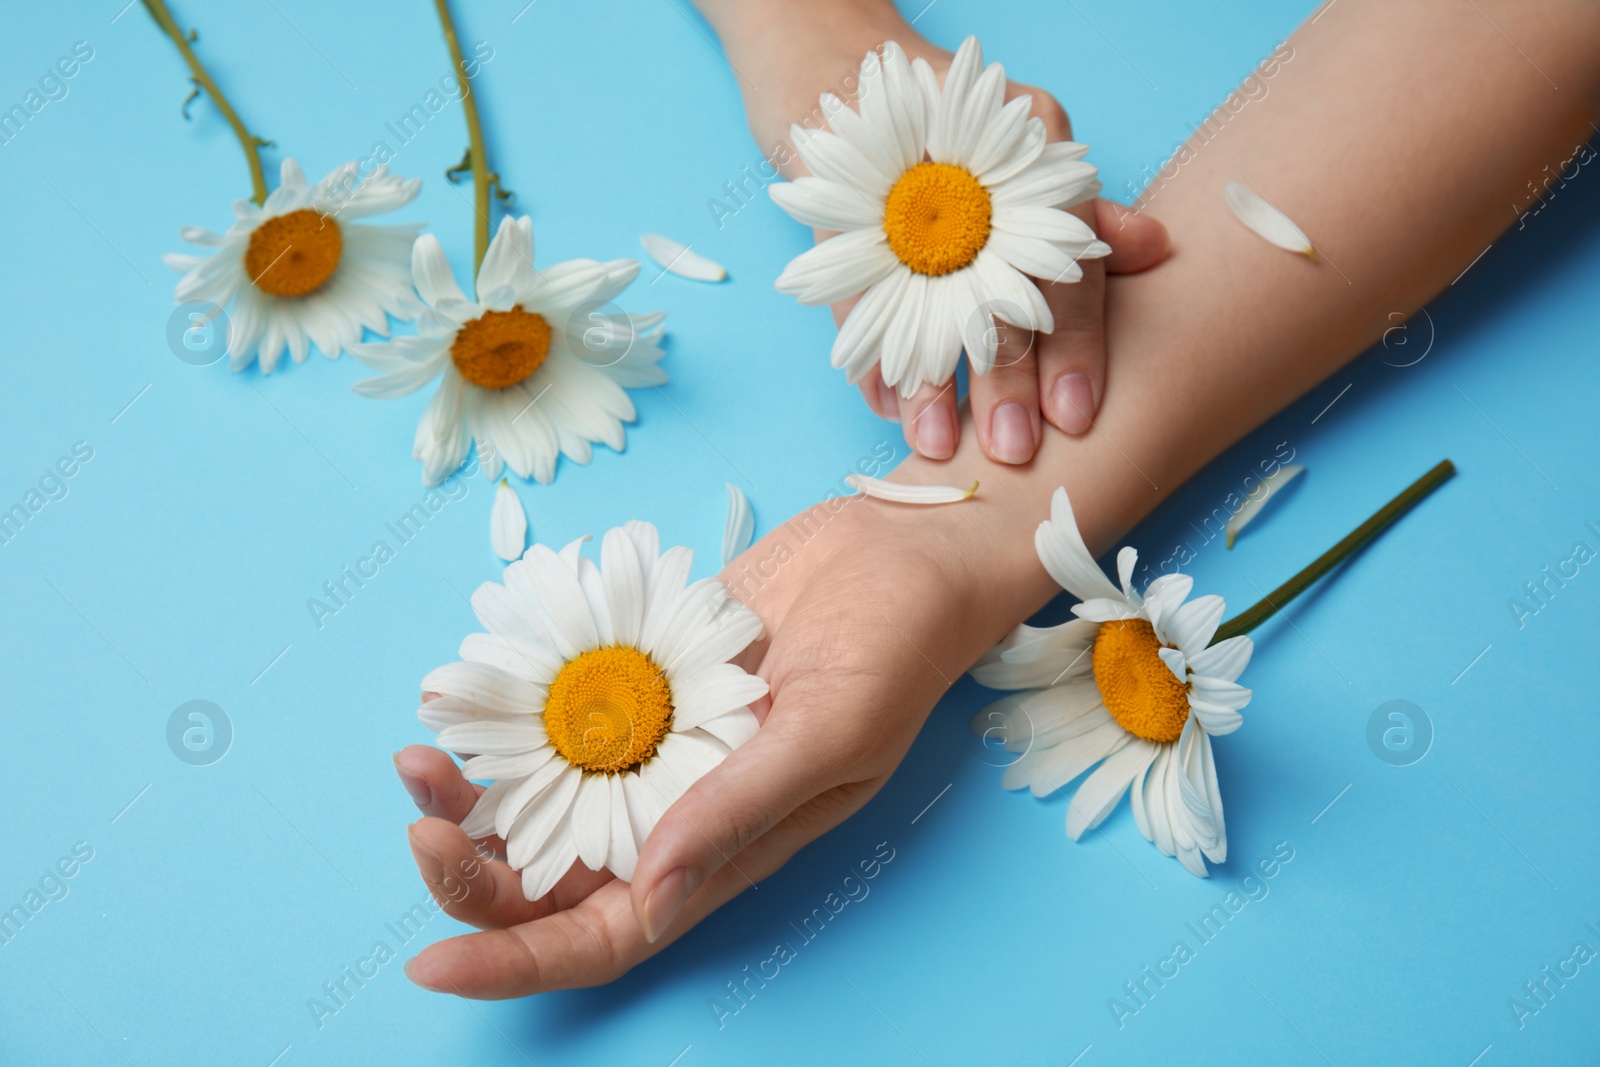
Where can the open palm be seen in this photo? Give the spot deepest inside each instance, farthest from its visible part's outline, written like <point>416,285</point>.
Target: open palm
<point>868,619</point>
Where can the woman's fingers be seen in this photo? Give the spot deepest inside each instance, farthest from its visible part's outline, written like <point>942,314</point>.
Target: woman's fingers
<point>1005,401</point>
<point>880,396</point>
<point>1138,242</point>
<point>598,938</point>
<point>468,885</point>
<point>1072,358</point>
<point>434,782</point>
<point>929,421</point>
<point>750,792</point>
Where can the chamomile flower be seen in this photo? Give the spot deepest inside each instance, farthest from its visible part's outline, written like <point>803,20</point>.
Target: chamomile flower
<point>1133,685</point>
<point>300,270</point>
<point>532,369</point>
<point>947,203</point>
<point>599,695</point>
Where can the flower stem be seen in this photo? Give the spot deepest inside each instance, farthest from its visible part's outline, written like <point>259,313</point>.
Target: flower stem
<point>477,155</point>
<point>1381,520</point>
<point>251,144</point>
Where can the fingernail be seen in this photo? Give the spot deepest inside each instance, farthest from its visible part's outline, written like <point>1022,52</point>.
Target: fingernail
<point>1011,433</point>
<point>665,901</point>
<point>412,974</point>
<point>888,401</point>
<point>936,431</point>
<point>429,863</point>
<point>1073,399</point>
<point>420,792</point>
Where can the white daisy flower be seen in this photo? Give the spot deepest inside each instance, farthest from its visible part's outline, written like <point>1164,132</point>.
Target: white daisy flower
<point>944,202</point>
<point>1132,684</point>
<point>533,369</point>
<point>300,271</point>
<point>599,695</point>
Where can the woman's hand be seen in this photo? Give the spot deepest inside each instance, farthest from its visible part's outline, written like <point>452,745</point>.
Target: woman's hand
<point>802,51</point>
<point>871,610</point>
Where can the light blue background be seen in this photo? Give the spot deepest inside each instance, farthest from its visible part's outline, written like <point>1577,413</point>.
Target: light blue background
<point>179,565</point>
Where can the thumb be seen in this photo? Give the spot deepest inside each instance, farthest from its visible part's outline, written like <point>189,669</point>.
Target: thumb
<point>751,791</point>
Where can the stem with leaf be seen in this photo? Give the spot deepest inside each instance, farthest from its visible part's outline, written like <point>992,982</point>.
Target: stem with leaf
<point>476,158</point>
<point>1385,516</point>
<point>251,144</point>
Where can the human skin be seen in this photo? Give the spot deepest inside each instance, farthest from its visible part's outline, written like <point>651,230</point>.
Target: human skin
<point>1401,162</point>
<point>802,50</point>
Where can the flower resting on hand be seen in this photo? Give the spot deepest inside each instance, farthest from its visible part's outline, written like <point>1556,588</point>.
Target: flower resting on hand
<point>599,695</point>
<point>945,202</point>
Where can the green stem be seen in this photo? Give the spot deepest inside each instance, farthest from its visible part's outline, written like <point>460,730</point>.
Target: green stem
<point>1385,516</point>
<point>251,144</point>
<point>482,177</point>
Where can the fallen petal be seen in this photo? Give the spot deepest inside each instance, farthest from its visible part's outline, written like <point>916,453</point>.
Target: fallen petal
<point>901,493</point>
<point>1252,507</point>
<point>677,258</point>
<point>508,524</point>
<point>1273,225</point>
<point>741,527</point>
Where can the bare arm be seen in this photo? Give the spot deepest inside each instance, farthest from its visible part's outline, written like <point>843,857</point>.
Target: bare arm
<point>1398,138</point>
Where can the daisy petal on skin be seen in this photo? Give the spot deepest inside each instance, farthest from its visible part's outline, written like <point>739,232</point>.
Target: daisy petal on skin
<point>536,368</point>
<point>301,270</point>
<point>641,701</point>
<point>741,525</point>
<point>901,493</point>
<point>508,523</point>
<point>1130,688</point>
<point>1266,221</point>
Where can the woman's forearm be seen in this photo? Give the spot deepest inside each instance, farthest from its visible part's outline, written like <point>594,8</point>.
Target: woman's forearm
<point>1400,137</point>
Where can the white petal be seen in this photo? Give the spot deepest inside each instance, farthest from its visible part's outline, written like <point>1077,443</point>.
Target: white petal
<point>623,579</point>
<point>623,854</point>
<point>479,822</point>
<point>1254,503</point>
<point>1072,757</point>
<point>1252,209</point>
<point>540,819</point>
<point>1192,626</point>
<point>1215,719</point>
<point>711,693</point>
<point>591,820</point>
<point>550,864</point>
<point>524,791</point>
<point>1175,663</point>
<point>1066,557</point>
<point>1225,660</point>
<point>482,684</point>
<point>733,729</point>
<point>741,525</point>
<point>902,493</point>
<point>508,523</point>
<point>493,738</point>
<point>512,765</point>
<point>431,272</point>
<point>679,259</point>
<point>827,204</point>
<point>1099,793</point>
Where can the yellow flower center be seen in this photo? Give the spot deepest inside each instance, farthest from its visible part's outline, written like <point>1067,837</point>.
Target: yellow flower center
<point>1138,689</point>
<point>608,709</point>
<point>501,348</point>
<point>293,254</point>
<point>937,218</point>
